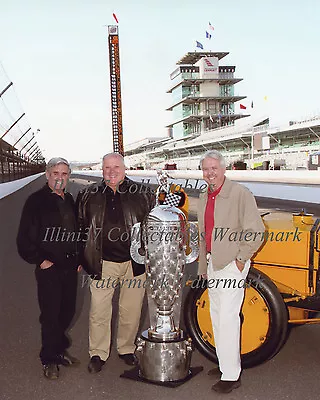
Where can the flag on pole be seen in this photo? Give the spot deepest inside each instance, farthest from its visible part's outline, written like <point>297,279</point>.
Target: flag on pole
<point>242,107</point>
<point>211,27</point>
<point>208,35</point>
<point>265,98</point>
<point>199,45</point>
<point>115,17</point>
<point>252,104</point>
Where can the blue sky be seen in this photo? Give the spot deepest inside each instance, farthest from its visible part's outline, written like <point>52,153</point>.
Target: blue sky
<point>56,53</point>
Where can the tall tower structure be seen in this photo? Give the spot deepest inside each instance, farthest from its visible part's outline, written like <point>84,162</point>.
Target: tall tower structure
<point>115,88</point>
<point>203,94</point>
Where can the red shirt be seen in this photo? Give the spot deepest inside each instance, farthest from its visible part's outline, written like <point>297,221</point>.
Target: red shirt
<point>209,216</point>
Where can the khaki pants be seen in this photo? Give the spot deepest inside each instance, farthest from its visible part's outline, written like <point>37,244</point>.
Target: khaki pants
<point>130,304</point>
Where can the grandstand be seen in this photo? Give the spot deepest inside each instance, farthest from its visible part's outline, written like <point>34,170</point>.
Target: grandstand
<point>288,146</point>
<point>204,117</point>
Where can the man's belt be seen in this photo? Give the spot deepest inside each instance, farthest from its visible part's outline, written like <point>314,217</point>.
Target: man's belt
<point>71,255</point>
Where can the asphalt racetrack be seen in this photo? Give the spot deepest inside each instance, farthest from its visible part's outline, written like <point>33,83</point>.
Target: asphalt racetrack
<point>292,374</point>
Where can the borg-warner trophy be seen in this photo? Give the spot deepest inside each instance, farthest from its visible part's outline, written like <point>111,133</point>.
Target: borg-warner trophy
<point>162,241</point>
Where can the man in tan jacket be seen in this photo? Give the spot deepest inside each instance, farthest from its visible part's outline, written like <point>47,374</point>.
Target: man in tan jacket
<point>231,231</point>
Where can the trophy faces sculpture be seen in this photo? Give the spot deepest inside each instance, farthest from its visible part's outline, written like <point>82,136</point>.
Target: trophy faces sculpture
<point>161,242</point>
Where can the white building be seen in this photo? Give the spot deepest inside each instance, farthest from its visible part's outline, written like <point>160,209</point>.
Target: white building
<point>203,94</point>
<point>204,118</point>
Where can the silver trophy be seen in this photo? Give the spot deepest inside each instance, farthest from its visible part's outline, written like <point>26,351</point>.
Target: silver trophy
<point>161,242</point>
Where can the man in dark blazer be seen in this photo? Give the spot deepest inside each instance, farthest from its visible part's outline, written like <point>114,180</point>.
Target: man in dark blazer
<point>47,237</point>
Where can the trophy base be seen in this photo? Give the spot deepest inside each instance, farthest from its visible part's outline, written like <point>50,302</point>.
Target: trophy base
<point>164,361</point>
<point>134,374</point>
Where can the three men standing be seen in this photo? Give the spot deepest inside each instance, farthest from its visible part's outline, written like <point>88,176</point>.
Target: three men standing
<point>106,213</point>
<point>226,206</point>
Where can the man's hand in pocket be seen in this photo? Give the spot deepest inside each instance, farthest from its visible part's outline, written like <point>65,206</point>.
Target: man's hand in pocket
<point>239,265</point>
<point>46,264</point>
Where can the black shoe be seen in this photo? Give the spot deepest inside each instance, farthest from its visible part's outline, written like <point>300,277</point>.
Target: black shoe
<point>226,386</point>
<point>68,360</point>
<point>215,372</point>
<point>51,371</point>
<point>95,365</point>
<point>129,359</point>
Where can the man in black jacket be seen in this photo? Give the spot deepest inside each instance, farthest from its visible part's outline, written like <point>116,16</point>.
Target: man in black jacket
<point>107,212</point>
<point>47,237</point>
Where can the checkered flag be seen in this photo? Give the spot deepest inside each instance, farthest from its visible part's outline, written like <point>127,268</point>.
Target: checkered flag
<point>172,200</point>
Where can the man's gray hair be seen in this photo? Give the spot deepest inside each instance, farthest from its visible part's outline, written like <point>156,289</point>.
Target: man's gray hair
<point>113,155</point>
<point>56,161</point>
<point>215,154</point>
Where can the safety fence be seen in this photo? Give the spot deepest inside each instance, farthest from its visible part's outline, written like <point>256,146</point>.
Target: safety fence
<point>13,166</point>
